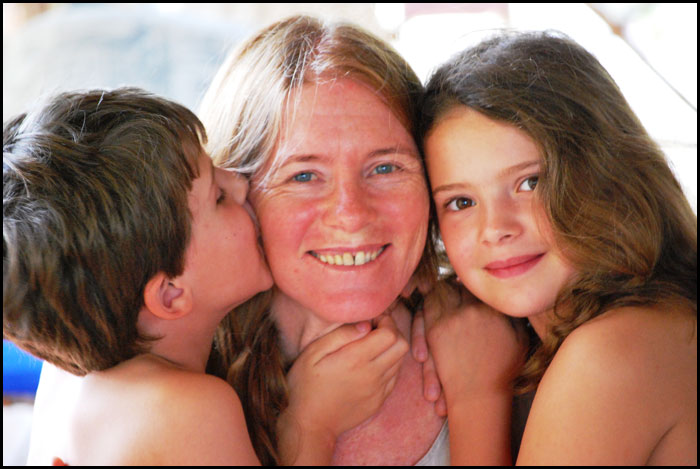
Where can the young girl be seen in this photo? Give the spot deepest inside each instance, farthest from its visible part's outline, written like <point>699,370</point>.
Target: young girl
<point>555,205</point>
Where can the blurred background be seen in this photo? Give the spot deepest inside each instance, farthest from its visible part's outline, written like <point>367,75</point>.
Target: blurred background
<point>174,50</point>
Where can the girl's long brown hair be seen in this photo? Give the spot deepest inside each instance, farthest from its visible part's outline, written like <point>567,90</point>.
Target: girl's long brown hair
<point>243,112</point>
<point>615,206</point>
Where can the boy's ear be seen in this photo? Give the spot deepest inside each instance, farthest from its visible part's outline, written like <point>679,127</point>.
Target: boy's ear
<point>165,298</point>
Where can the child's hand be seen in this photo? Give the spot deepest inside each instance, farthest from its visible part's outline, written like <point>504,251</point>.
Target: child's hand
<point>342,379</point>
<point>477,350</point>
<point>432,388</point>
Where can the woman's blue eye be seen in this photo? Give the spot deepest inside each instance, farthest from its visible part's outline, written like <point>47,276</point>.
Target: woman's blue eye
<point>384,168</point>
<point>529,184</point>
<point>306,176</point>
<point>459,203</point>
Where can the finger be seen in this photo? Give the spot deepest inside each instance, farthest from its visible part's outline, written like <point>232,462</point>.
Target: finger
<point>441,406</point>
<point>419,345</point>
<point>431,383</point>
<point>390,384</point>
<point>392,371</point>
<point>336,340</point>
<point>374,345</point>
<point>392,355</point>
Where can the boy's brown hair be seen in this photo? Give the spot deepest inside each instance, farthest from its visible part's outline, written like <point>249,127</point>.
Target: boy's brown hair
<point>95,202</point>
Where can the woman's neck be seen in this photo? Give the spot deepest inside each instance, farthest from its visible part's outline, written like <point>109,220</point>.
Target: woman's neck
<point>299,326</point>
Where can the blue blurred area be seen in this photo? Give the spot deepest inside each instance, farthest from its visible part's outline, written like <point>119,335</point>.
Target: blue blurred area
<point>20,370</point>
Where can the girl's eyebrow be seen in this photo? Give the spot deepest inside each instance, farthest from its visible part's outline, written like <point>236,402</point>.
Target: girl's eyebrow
<point>501,174</point>
<point>518,167</point>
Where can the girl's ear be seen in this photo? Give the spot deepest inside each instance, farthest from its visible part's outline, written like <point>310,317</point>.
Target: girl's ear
<point>167,298</point>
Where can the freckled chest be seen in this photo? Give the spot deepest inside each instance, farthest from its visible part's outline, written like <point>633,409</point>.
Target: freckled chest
<point>401,433</point>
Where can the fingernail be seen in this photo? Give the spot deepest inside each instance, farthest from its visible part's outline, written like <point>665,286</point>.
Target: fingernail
<point>363,326</point>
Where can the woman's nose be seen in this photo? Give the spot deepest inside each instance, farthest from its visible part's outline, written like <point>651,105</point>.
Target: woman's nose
<point>349,206</point>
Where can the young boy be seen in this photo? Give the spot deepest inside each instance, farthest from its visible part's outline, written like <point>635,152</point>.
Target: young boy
<point>123,248</point>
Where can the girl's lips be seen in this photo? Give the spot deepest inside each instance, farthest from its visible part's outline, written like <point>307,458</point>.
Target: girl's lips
<point>513,266</point>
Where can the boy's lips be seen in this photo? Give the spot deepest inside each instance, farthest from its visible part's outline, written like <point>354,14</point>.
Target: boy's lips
<point>513,266</point>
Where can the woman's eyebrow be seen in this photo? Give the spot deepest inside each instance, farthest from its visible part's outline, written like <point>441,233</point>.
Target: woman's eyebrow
<point>395,149</point>
<point>306,157</point>
<point>300,158</point>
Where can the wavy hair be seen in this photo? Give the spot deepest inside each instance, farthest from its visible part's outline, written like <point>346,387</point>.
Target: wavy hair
<point>243,112</point>
<point>615,206</point>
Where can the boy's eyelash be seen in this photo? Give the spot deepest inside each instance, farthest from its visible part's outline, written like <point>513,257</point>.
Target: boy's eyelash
<point>222,196</point>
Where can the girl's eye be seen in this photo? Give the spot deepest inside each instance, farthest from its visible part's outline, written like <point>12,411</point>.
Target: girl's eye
<point>305,176</point>
<point>459,203</point>
<point>384,168</point>
<point>222,196</point>
<point>529,184</point>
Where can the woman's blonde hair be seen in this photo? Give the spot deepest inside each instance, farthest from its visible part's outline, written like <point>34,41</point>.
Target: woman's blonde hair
<point>243,112</point>
<point>616,209</point>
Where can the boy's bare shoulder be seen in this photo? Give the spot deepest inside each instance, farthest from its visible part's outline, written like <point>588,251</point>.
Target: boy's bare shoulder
<point>182,417</point>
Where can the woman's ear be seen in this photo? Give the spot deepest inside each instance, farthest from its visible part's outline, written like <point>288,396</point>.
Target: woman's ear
<point>167,298</point>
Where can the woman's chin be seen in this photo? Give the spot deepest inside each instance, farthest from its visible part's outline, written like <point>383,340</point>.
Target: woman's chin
<point>352,310</point>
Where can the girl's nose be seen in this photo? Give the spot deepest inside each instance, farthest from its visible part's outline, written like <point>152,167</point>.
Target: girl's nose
<point>499,224</point>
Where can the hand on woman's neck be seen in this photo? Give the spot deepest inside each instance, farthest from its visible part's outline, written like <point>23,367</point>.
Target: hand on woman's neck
<point>299,326</point>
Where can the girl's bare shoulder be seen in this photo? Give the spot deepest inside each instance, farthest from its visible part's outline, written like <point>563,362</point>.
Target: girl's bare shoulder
<point>637,337</point>
<point>620,387</point>
<point>636,359</point>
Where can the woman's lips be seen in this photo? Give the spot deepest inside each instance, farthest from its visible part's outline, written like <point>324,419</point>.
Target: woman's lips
<point>513,266</point>
<point>349,256</point>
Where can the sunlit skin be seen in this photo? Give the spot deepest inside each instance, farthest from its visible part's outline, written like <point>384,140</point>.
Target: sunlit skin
<point>347,178</point>
<point>484,176</point>
<point>223,255</point>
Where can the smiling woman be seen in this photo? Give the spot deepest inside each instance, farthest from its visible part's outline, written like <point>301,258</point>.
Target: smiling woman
<point>358,188</point>
<point>323,119</point>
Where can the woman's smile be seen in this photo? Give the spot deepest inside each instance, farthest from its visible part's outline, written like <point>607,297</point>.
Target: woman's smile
<point>349,257</point>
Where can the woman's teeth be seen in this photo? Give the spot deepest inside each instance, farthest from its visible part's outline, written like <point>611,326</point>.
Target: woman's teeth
<point>346,258</point>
